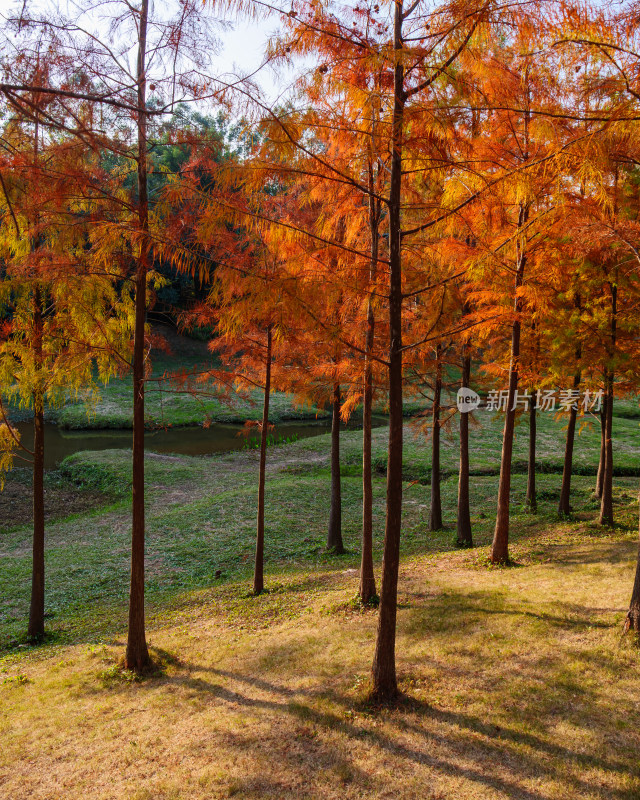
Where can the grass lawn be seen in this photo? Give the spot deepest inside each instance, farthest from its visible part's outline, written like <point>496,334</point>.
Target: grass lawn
<point>518,684</point>
<point>165,405</point>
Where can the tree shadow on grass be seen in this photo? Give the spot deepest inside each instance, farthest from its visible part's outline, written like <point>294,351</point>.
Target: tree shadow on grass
<point>459,612</point>
<point>450,744</point>
<point>616,552</point>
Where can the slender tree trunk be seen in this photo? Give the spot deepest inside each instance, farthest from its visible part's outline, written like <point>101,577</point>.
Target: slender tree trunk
<point>464,537</point>
<point>530,500</point>
<point>258,573</point>
<point>35,629</point>
<point>500,545</point>
<point>385,685</point>
<point>36,610</point>
<point>606,503</point>
<point>435,513</point>
<point>564,506</point>
<point>137,653</point>
<point>603,446</point>
<point>632,621</point>
<point>334,536</point>
<point>367,590</point>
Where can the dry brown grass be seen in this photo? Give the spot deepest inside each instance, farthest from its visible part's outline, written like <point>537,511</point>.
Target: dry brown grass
<point>517,684</point>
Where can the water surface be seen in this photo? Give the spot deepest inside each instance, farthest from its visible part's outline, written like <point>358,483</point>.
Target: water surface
<point>219,437</point>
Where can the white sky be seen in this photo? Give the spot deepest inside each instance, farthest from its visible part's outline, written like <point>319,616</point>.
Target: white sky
<point>242,44</point>
<point>242,52</point>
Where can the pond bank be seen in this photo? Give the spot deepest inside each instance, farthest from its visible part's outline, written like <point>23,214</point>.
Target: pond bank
<point>185,440</point>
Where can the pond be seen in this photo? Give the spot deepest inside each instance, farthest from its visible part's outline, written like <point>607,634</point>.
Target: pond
<point>60,443</point>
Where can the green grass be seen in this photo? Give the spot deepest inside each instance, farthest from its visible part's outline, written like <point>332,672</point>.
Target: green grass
<point>517,682</point>
<point>201,516</point>
<point>165,404</point>
<point>485,442</point>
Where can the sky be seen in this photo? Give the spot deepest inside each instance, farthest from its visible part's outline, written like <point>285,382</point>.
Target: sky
<point>242,42</point>
<point>242,52</point>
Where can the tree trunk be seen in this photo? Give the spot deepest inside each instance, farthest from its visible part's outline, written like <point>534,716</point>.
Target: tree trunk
<point>464,537</point>
<point>367,590</point>
<point>530,500</point>
<point>564,506</point>
<point>606,504</point>
<point>137,653</point>
<point>334,536</point>
<point>385,685</point>
<point>632,621</point>
<point>35,630</point>
<point>500,545</point>
<point>435,513</point>
<point>258,572</point>
<point>603,446</point>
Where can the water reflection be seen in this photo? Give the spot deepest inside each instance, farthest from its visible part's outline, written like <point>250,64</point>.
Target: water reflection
<point>60,443</point>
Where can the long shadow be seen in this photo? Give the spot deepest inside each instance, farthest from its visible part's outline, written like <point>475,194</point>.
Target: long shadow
<point>451,717</point>
<point>457,611</point>
<point>493,751</point>
<point>615,553</point>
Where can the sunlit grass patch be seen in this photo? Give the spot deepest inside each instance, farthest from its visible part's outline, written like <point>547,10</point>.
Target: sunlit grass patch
<point>516,686</point>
